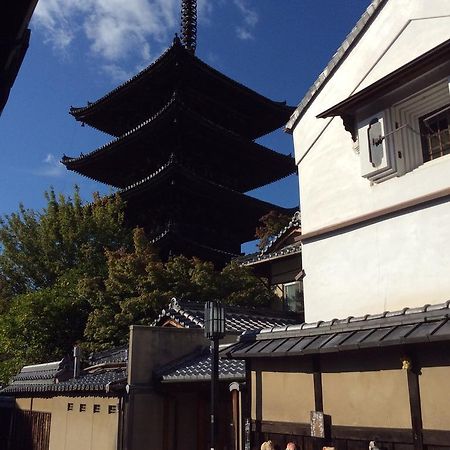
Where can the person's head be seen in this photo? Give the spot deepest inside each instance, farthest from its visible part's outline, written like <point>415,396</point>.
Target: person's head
<point>291,446</point>
<point>267,446</point>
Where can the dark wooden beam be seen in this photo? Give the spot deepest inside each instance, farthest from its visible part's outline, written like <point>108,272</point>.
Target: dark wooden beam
<point>416,411</point>
<point>318,392</point>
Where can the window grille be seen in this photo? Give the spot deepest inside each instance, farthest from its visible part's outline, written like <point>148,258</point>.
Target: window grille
<point>69,406</point>
<point>112,409</point>
<point>82,407</point>
<point>96,409</point>
<point>435,131</point>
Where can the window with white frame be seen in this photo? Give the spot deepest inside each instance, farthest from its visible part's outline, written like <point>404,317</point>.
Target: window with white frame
<point>293,296</point>
<point>407,134</point>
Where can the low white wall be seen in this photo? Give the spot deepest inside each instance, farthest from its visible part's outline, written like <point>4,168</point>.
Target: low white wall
<point>399,262</point>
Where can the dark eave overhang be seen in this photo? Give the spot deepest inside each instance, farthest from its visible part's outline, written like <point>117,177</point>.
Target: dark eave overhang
<point>213,190</point>
<point>218,202</point>
<point>175,64</point>
<point>13,43</point>
<point>427,324</point>
<point>84,112</point>
<point>260,259</point>
<point>105,163</point>
<point>426,69</point>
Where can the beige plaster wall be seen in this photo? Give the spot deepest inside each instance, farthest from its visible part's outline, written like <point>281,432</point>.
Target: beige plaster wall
<point>43,404</point>
<point>286,396</point>
<point>24,403</point>
<point>367,399</point>
<point>435,398</point>
<point>150,348</point>
<point>75,430</point>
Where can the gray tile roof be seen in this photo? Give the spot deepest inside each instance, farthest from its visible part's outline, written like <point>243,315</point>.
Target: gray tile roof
<point>44,373</point>
<point>430,323</point>
<point>254,258</point>
<point>197,367</point>
<point>107,370</point>
<point>191,315</point>
<point>341,52</point>
<point>294,223</point>
<point>267,253</point>
<point>88,382</point>
<point>115,355</point>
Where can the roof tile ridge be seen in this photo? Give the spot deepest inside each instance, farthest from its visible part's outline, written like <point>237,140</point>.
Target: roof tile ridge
<point>351,320</point>
<point>176,44</point>
<point>161,235</point>
<point>342,50</point>
<point>293,223</point>
<point>174,99</point>
<point>171,162</point>
<point>197,353</point>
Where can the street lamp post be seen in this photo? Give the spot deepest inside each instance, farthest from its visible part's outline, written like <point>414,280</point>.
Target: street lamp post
<point>214,330</point>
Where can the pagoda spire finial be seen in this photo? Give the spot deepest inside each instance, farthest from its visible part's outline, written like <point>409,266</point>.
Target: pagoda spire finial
<point>189,24</point>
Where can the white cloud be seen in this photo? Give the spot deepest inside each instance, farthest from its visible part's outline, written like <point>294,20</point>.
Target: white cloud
<point>120,31</point>
<point>250,17</point>
<point>51,167</point>
<point>114,29</point>
<point>244,34</point>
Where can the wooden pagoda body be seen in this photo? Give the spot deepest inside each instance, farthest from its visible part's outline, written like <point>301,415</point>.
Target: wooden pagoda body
<point>183,154</point>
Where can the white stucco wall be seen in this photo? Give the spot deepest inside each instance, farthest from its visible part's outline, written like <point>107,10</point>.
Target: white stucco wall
<point>397,262</point>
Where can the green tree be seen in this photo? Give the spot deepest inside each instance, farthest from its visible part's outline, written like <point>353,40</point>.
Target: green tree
<point>42,326</point>
<point>43,257</point>
<point>74,273</point>
<point>139,285</point>
<point>271,224</point>
<point>38,247</point>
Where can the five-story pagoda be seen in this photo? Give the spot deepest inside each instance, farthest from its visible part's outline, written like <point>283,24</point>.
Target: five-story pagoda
<point>184,151</point>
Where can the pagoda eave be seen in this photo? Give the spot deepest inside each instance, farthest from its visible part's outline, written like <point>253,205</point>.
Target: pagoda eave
<point>146,148</point>
<point>203,201</point>
<point>145,93</point>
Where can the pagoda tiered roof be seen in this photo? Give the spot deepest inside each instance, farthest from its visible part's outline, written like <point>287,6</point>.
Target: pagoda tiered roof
<point>225,101</point>
<point>216,152</point>
<point>175,194</point>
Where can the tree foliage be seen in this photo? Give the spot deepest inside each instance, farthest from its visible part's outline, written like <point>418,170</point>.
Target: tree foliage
<point>39,247</point>
<point>139,285</point>
<point>271,224</point>
<point>42,326</point>
<point>74,273</point>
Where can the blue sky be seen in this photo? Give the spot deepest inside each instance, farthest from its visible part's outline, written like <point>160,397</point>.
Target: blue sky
<point>81,49</point>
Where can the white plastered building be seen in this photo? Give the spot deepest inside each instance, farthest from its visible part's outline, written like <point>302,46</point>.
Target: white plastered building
<point>372,147</point>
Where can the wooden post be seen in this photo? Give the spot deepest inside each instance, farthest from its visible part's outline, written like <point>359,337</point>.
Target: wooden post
<point>235,417</point>
<point>318,396</point>
<point>416,410</point>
